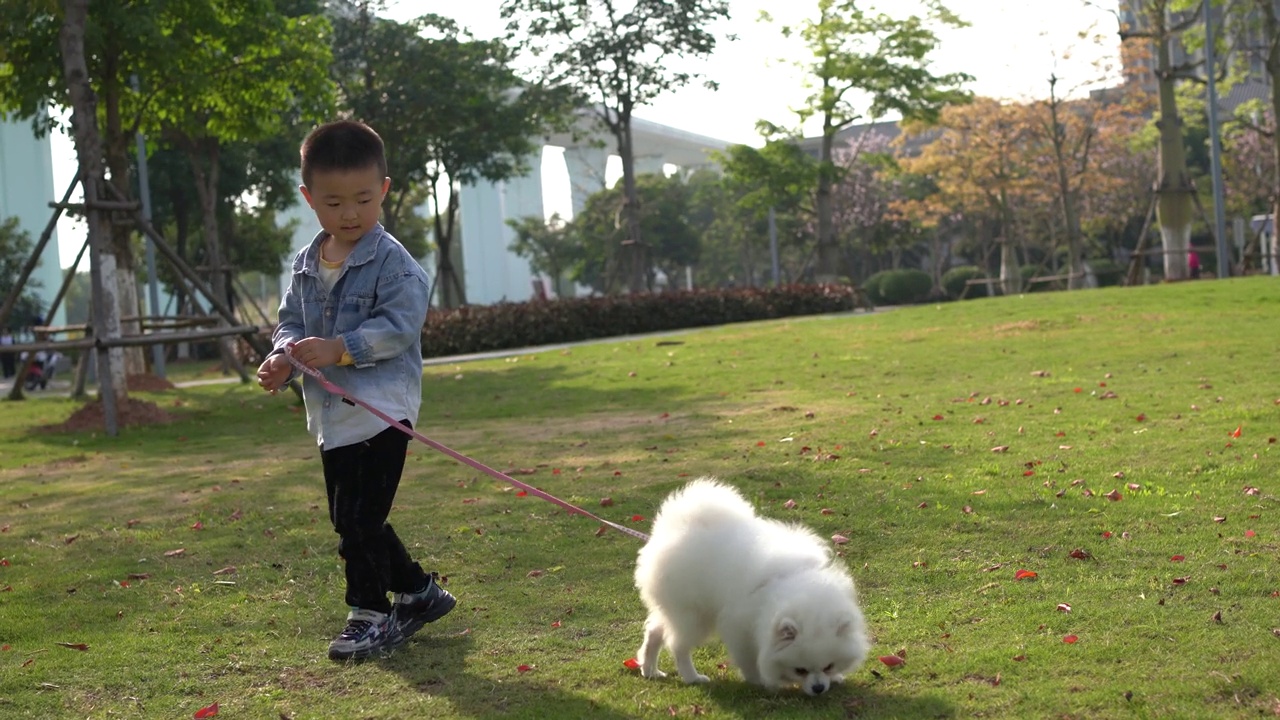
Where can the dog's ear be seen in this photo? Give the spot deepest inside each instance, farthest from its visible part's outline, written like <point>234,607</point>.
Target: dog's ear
<point>786,631</point>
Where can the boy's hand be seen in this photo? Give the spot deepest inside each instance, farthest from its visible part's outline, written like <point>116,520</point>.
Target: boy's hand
<point>315,352</point>
<point>273,373</point>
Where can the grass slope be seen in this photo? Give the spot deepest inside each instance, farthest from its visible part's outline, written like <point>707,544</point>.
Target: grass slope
<point>953,445</point>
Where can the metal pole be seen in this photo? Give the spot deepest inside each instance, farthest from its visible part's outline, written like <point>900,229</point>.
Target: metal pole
<point>773,248</point>
<point>153,282</point>
<point>1215,149</point>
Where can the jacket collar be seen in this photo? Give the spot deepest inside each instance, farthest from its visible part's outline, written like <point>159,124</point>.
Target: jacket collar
<point>364,251</point>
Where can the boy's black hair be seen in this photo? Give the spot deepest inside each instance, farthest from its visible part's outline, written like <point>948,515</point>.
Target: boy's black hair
<point>342,145</point>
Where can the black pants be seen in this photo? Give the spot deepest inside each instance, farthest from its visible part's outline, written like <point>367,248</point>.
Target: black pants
<point>361,482</point>
<point>8,363</point>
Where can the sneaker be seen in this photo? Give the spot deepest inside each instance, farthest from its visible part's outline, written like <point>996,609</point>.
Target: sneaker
<point>368,633</point>
<point>413,610</point>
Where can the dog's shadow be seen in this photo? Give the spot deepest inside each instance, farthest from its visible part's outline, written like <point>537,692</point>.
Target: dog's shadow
<point>436,666</point>
<point>858,698</point>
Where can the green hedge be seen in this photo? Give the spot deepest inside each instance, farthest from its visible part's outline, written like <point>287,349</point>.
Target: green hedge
<point>504,326</point>
<point>904,287</point>
<point>953,282</point>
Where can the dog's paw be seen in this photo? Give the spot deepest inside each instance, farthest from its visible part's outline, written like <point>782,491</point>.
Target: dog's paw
<point>652,673</point>
<point>837,679</point>
<point>697,679</point>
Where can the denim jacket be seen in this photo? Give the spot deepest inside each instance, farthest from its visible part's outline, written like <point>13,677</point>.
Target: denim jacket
<point>378,306</point>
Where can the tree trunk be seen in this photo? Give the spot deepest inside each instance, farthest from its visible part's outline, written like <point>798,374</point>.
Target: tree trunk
<point>632,254</point>
<point>1075,246</point>
<point>116,145</point>
<point>1271,35</point>
<point>826,264</point>
<point>452,292</point>
<point>84,122</point>
<point>1174,206</point>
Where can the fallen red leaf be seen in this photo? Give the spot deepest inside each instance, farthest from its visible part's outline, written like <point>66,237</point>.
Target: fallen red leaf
<point>1019,658</point>
<point>522,493</point>
<point>1079,554</point>
<point>891,660</point>
<point>1114,496</point>
<point>1106,534</point>
<point>1141,417</point>
<point>631,664</point>
<point>1249,533</point>
<point>606,502</point>
<point>1177,558</point>
<point>555,624</point>
<point>1070,639</point>
<point>1079,389</point>
<point>207,712</point>
<point>75,646</point>
<point>1181,580</point>
<point>790,504</point>
<point>839,539</point>
<point>6,647</point>
<point>1028,473</point>
<point>637,518</point>
<point>760,443</point>
<point>523,668</point>
<point>1236,433</point>
<point>937,417</point>
<point>197,525</point>
<point>1024,574</point>
<point>4,562</point>
<point>1064,607</point>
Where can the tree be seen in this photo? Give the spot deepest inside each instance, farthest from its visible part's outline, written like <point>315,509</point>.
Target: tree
<point>15,248</point>
<point>251,74</point>
<point>665,217</point>
<point>865,66</point>
<point>619,56</point>
<point>1259,37</point>
<point>550,246</point>
<point>978,161</point>
<point>223,63</point>
<point>1159,23</point>
<point>451,110</point>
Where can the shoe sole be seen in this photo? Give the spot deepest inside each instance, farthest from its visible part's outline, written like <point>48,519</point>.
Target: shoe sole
<point>382,650</point>
<point>442,608</point>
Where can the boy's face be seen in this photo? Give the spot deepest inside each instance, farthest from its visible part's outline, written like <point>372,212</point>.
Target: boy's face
<point>347,202</point>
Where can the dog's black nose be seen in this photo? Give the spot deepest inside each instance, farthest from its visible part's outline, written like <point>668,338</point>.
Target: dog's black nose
<point>818,689</point>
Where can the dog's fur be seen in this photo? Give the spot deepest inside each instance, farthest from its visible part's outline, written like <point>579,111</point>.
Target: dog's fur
<point>787,613</point>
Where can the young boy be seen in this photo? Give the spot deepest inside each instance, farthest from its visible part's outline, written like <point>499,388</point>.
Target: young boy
<point>354,308</point>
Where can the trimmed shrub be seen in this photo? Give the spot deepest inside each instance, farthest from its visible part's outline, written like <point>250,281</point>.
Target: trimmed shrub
<point>503,326</point>
<point>871,286</point>
<point>1107,271</point>
<point>904,287</point>
<point>953,282</point>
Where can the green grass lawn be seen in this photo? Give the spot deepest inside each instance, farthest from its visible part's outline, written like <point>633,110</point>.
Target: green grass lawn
<point>952,445</point>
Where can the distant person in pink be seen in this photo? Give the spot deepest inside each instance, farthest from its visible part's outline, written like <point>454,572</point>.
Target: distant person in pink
<point>1193,262</point>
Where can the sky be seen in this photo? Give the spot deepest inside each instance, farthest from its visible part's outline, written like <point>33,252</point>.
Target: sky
<point>1011,48</point>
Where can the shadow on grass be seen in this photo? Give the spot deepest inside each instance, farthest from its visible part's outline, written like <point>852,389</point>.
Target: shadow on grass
<point>435,666</point>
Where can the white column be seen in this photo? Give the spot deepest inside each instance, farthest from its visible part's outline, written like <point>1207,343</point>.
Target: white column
<point>586,173</point>
<point>26,189</point>
<point>650,164</point>
<point>491,272</point>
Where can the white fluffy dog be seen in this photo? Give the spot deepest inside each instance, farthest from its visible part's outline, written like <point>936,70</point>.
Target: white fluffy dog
<point>787,613</point>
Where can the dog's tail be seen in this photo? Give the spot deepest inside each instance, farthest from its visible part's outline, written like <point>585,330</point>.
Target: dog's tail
<point>705,501</point>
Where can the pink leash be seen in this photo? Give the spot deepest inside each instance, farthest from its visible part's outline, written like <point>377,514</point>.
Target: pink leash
<point>348,398</point>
